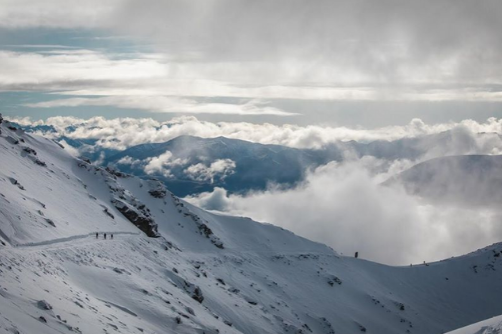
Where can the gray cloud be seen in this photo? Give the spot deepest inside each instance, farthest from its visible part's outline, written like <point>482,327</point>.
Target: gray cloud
<point>167,104</point>
<point>356,41</point>
<point>327,49</point>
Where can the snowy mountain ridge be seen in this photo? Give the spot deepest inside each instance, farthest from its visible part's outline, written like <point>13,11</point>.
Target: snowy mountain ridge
<point>174,268</point>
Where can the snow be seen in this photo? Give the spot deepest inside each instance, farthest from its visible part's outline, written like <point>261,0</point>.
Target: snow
<point>489,326</point>
<point>204,273</point>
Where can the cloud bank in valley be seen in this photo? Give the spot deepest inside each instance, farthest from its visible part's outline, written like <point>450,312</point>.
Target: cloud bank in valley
<point>345,207</point>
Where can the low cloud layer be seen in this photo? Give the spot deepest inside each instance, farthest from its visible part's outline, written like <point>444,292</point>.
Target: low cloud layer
<point>220,168</point>
<point>121,133</point>
<point>345,207</point>
<point>167,104</point>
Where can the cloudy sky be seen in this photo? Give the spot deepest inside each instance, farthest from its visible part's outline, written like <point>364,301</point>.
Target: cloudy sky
<point>344,63</point>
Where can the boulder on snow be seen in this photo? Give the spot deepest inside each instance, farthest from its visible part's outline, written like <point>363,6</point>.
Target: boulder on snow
<point>197,294</point>
<point>29,150</point>
<point>44,305</point>
<point>333,279</point>
<point>50,222</point>
<point>40,162</point>
<point>16,183</point>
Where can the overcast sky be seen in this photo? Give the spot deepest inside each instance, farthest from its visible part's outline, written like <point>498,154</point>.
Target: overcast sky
<point>350,63</point>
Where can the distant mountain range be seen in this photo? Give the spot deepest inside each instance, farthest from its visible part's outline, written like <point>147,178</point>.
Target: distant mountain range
<point>190,165</point>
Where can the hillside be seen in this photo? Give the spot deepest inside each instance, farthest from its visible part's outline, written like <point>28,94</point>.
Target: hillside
<point>174,268</point>
<point>489,326</point>
<point>189,164</point>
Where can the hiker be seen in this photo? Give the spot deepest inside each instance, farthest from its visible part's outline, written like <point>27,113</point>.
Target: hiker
<point>97,235</point>
<point>104,235</point>
<point>356,255</point>
<point>111,236</point>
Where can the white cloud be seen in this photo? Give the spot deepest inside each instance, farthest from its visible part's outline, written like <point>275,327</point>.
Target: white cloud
<point>127,160</point>
<point>121,133</point>
<point>345,207</point>
<point>167,104</point>
<point>162,164</point>
<point>220,168</point>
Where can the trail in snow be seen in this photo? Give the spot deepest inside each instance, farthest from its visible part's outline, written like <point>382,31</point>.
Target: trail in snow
<point>73,238</point>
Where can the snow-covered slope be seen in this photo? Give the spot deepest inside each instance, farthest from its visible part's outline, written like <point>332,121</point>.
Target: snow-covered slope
<point>489,326</point>
<point>174,268</point>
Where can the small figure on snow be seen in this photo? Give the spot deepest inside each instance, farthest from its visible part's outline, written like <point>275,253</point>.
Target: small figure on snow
<point>97,234</point>
<point>356,255</point>
<point>104,234</point>
<point>111,236</point>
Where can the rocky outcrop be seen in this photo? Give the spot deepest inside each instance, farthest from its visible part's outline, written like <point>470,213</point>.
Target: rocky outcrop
<point>114,172</point>
<point>138,217</point>
<point>157,188</point>
<point>129,206</point>
<point>202,225</point>
<point>29,150</point>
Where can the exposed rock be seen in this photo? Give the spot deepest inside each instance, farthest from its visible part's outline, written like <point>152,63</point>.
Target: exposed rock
<point>43,305</point>
<point>40,163</point>
<point>86,160</point>
<point>197,294</point>
<point>50,222</point>
<point>115,172</point>
<point>58,144</point>
<point>333,279</point>
<point>29,150</point>
<point>16,183</point>
<point>138,218</point>
<point>158,193</point>
<point>105,210</point>
<point>157,188</point>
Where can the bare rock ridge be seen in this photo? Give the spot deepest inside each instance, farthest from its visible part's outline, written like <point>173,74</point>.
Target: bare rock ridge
<point>132,208</point>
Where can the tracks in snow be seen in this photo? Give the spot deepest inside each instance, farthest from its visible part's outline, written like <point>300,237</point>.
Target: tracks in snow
<point>62,241</point>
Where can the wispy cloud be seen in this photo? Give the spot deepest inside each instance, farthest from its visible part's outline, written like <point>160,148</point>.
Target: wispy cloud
<point>167,104</point>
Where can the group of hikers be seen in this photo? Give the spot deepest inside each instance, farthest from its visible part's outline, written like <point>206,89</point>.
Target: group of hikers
<point>104,235</point>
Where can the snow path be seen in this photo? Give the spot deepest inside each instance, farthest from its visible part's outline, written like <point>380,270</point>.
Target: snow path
<point>73,238</point>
